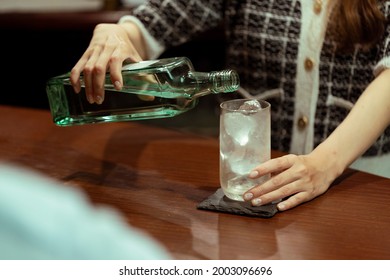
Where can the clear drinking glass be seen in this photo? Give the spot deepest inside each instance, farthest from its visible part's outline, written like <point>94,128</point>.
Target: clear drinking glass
<point>245,142</point>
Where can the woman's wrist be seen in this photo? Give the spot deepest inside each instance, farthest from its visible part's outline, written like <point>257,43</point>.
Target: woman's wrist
<point>135,36</point>
<point>151,47</point>
<point>328,160</point>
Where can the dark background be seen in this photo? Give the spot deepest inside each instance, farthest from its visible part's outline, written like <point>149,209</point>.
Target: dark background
<point>38,46</point>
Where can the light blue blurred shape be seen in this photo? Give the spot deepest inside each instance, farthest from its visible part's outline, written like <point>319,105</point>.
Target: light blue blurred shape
<point>41,219</point>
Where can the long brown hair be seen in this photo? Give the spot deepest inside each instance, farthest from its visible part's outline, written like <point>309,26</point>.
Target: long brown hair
<point>357,22</point>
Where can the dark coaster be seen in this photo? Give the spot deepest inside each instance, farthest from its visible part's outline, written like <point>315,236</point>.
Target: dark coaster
<point>220,203</point>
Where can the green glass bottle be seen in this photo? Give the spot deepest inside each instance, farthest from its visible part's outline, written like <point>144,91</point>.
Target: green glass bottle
<point>151,89</point>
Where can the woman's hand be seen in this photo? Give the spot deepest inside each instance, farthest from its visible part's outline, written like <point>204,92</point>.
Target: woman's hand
<point>300,178</point>
<point>110,46</point>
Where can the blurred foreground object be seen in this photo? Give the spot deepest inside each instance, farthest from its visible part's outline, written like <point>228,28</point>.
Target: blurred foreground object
<point>50,5</point>
<point>42,220</point>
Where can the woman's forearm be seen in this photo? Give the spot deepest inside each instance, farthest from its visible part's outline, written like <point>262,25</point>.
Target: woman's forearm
<point>367,120</point>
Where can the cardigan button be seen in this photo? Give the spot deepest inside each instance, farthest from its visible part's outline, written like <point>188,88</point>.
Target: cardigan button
<point>317,6</point>
<point>309,64</point>
<point>303,121</point>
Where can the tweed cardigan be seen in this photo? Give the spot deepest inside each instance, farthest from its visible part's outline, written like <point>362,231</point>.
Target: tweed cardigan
<point>280,44</point>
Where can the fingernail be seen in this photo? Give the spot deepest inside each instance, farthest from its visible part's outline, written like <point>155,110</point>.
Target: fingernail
<point>256,202</point>
<point>253,174</point>
<point>117,85</point>
<point>99,99</point>
<point>281,206</point>
<point>76,89</point>
<point>90,99</point>
<point>248,196</point>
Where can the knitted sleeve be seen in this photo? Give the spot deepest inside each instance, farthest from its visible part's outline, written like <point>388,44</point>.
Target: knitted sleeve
<point>174,22</point>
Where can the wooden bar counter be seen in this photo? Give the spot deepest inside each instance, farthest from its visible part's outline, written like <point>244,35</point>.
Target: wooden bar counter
<point>157,176</point>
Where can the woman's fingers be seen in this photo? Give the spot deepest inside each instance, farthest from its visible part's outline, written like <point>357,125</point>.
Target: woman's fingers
<point>287,181</point>
<point>297,179</point>
<point>108,49</point>
<point>76,72</point>
<point>280,186</point>
<point>89,72</point>
<point>293,201</point>
<point>100,70</point>
<point>273,166</point>
<point>124,51</point>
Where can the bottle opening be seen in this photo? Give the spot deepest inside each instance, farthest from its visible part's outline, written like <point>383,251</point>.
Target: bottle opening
<point>225,81</point>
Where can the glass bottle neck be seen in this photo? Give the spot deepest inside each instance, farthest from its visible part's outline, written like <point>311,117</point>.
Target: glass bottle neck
<point>215,81</point>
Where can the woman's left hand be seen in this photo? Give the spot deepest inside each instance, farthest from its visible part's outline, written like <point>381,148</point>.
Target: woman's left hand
<point>297,178</point>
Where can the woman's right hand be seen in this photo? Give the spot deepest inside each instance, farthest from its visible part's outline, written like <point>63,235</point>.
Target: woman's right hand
<point>110,46</point>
